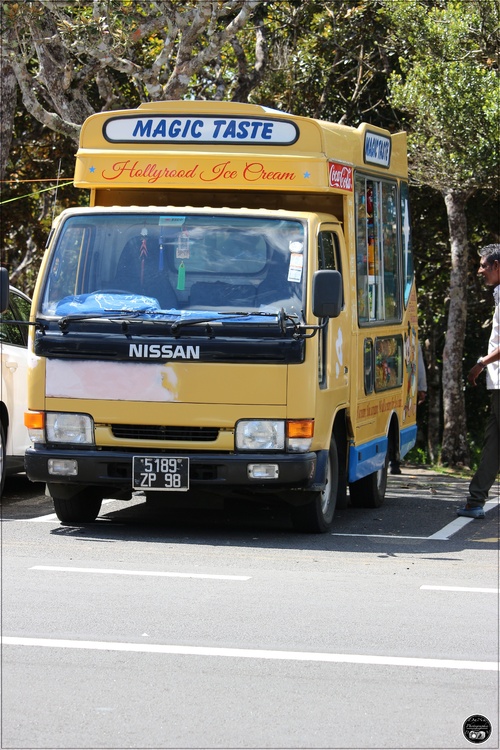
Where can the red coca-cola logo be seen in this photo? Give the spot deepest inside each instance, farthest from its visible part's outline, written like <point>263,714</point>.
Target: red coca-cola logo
<point>340,176</point>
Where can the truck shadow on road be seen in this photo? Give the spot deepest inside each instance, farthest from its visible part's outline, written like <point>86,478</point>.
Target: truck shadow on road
<point>415,510</point>
<point>419,504</point>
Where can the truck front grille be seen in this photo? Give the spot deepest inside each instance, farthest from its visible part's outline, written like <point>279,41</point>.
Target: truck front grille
<point>160,432</point>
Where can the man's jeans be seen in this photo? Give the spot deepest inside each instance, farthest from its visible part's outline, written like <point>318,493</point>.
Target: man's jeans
<point>489,464</point>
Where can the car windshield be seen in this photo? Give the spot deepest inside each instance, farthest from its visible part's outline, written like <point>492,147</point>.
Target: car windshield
<point>175,261</point>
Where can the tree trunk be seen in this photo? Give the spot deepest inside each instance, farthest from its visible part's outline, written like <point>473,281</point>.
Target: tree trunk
<point>433,398</point>
<point>455,449</point>
<point>8,91</point>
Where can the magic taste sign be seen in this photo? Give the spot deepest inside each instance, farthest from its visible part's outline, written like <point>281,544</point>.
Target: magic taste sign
<point>203,129</point>
<point>377,149</point>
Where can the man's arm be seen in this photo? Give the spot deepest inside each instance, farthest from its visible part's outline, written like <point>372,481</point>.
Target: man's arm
<point>482,363</point>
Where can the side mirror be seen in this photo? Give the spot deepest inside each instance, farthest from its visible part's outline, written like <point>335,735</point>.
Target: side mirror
<point>4,290</point>
<point>327,294</point>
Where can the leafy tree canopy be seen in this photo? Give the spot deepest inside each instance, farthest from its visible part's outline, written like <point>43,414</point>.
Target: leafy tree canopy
<point>448,88</point>
<point>72,59</point>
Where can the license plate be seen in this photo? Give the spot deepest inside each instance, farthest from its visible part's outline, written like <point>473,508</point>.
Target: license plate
<point>160,473</point>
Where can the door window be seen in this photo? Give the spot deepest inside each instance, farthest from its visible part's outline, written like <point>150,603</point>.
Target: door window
<point>328,260</point>
<point>19,310</point>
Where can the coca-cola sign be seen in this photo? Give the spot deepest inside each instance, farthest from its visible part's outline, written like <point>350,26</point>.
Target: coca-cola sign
<point>340,176</point>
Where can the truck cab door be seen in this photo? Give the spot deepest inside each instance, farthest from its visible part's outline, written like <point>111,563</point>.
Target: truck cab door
<point>335,340</point>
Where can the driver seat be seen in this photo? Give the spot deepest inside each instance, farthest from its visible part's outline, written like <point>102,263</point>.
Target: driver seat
<point>140,272</point>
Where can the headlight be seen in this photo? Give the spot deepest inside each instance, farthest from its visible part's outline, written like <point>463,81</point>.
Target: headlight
<point>292,435</point>
<point>260,435</point>
<point>69,428</point>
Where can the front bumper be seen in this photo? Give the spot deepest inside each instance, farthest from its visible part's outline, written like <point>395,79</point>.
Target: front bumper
<point>112,469</point>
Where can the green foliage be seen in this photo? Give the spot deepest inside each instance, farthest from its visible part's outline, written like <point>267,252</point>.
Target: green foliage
<point>417,456</point>
<point>448,88</point>
<point>37,158</point>
<point>420,457</point>
<point>328,60</point>
<point>72,59</point>
<point>432,266</point>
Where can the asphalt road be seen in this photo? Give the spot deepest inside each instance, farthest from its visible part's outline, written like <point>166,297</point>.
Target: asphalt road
<point>226,629</point>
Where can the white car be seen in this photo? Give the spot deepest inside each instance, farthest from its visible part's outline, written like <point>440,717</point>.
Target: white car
<point>14,438</point>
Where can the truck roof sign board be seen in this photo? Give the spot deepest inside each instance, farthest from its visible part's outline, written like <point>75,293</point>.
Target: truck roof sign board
<point>201,129</point>
<point>377,149</point>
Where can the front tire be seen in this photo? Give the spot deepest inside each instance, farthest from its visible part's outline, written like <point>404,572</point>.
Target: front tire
<point>82,506</point>
<point>316,516</point>
<point>369,492</point>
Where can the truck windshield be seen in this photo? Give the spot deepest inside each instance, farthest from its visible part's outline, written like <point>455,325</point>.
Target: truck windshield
<point>176,261</point>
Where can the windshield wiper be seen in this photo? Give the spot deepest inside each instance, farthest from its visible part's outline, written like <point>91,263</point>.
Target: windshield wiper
<point>229,315</point>
<point>127,317</point>
<point>118,316</point>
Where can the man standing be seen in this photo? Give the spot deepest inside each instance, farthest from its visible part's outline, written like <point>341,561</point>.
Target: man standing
<point>489,464</point>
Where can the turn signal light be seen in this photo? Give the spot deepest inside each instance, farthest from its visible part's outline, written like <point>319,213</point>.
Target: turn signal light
<point>34,420</point>
<point>300,428</point>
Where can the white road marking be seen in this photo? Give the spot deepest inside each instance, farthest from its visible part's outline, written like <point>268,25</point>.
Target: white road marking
<point>244,653</point>
<point>443,534</point>
<point>458,523</point>
<point>447,531</point>
<point>461,588</point>
<point>157,573</point>
<point>380,536</point>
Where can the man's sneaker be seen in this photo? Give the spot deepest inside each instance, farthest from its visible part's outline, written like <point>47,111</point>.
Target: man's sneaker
<point>476,512</point>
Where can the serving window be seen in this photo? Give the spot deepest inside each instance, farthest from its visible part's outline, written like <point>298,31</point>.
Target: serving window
<point>377,256</point>
<point>388,362</point>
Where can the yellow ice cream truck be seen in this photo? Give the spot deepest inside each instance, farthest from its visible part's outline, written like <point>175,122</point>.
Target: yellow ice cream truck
<point>233,316</point>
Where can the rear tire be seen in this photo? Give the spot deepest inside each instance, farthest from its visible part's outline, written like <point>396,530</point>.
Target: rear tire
<point>369,492</point>
<point>81,507</point>
<point>316,516</point>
